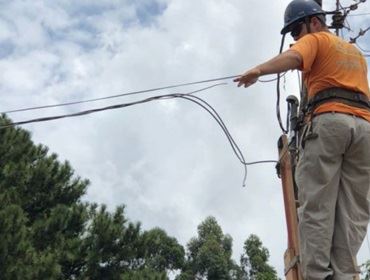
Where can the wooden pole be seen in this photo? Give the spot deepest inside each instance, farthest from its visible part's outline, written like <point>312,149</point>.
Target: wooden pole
<point>291,256</point>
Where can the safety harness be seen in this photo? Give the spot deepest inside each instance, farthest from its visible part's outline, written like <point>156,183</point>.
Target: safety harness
<point>345,96</point>
<point>349,97</point>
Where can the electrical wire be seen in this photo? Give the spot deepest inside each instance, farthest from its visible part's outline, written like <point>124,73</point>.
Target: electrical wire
<point>116,106</point>
<point>117,95</point>
<point>272,80</point>
<point>262,161</point>
<point>362,49</point>
<point>348,27</point>
<point>355,15</point>
<point>361,33</point>
<point>124,94</point>
<point>278,114</point>
<point>187,96</point>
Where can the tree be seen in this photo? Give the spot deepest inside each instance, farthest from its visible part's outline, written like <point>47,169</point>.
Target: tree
<point>41,213</point>
<point>118,249</point>
<point>209,254</point>
<point>113,244</point>
<point>254,260</point>
<point>145,274</point>
<point>365,270</point>
<point>162,252</point>
<point>47,232</point>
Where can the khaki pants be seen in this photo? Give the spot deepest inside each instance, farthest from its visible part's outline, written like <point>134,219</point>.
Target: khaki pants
<point>333,178</point>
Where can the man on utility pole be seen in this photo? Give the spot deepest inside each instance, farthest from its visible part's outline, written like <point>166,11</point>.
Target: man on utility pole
<point>333,172</point>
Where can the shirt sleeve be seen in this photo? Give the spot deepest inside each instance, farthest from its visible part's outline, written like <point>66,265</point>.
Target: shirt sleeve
<point>307,47</point>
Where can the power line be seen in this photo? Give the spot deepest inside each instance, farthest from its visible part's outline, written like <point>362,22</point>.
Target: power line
<point>356,15</point>
<point>360,34</point>
<point>117,106</point>
<point>187,96</point>
<point>117,95</point>
<point>362,49</point>
<point>124,94</point>
<point>262,161</point>
<point>273,79</point>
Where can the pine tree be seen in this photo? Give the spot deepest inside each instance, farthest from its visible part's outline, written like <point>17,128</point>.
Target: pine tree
<point>42,215</point>
<point>47,232</point>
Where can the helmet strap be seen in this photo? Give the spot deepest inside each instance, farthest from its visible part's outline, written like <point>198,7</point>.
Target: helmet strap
<point>307,22</point>
<point>282,43</point>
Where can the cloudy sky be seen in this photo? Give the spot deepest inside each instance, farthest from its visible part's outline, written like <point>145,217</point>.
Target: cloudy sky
<point>167,161</point>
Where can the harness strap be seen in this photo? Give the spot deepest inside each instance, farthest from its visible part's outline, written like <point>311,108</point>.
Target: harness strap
<point>352,98</point>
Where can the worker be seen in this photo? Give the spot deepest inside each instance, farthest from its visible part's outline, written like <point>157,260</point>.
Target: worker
<point>333,171</point>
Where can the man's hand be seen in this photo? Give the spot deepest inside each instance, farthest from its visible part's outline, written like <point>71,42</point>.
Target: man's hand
<point>283,62</point>
<point>248,78</point>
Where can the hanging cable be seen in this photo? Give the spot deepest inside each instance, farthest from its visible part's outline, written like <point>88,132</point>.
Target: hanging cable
<point>278,114</point>
<point>118,95</point>
<point>360,34</point>
<point>272,80</point>
<point>356,15</point>
<point>187,96</point>
<point>124,94</point>
<point>362,49</point>
<point>117,106</point>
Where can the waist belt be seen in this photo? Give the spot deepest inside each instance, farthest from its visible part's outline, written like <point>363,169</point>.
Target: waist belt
<point>341,95</point>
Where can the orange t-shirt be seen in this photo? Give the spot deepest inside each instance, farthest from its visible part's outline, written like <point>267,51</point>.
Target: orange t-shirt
<point>328,62</point>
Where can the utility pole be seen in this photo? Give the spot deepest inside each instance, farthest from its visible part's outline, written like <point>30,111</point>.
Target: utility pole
<point>292,269</point>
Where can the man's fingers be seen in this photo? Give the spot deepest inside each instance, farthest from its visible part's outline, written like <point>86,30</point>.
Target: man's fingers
<point>245,80</point>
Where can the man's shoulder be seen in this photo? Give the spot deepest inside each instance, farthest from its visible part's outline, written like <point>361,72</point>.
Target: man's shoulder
<point>322,39</point>
<point>323,36</point>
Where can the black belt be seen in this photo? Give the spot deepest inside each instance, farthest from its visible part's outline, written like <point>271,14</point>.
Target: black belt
<point>352,98</point>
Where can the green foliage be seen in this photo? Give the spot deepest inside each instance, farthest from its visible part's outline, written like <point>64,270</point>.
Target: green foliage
<point>365,270</point>
<point>254,260</point>
<point>145,274</point>
<point>16,252</point>
<point>162,252</point>
<point>42,218</point>
<point>209,254</point>
<point>47,232</point>
<point>113,245</point>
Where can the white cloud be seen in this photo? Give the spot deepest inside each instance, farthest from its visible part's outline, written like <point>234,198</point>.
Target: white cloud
<point>168,161</point>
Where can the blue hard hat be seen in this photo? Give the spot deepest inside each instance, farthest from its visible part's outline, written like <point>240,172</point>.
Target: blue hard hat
<point>298,10</point>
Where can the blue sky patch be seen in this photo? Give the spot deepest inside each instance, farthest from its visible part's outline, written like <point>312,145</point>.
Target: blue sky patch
<point>148,11</point>
<point>6,48</point>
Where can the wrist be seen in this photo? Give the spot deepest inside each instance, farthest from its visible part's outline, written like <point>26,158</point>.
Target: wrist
<point>259,71</point>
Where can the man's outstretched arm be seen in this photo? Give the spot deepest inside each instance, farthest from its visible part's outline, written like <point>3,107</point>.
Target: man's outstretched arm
<point>285,61</point>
